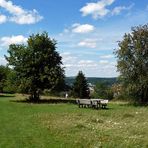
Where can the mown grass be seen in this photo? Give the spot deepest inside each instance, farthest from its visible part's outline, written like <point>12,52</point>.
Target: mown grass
<point>67,126</point>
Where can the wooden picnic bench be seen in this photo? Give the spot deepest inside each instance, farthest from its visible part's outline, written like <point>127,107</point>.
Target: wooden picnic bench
<point>94,103</point>
<point>84,102</point>
<point>104,103</point>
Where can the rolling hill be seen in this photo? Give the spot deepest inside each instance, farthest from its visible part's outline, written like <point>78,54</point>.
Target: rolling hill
<point>93,80</point>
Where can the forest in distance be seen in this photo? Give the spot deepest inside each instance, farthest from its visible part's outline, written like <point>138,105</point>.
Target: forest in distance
<point>94,80</point>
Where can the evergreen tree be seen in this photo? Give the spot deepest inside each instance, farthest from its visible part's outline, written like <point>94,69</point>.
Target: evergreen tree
<point>80,87</point>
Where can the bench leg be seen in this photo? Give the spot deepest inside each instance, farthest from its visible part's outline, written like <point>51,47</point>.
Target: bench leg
<point>104,106</point>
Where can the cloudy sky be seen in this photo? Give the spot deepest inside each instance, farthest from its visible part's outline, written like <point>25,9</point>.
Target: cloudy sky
<point>87,31</point>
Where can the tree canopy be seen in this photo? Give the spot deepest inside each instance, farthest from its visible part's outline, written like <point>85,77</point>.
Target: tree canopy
<point>132,58</point>
<point>37,64</point>
<point>80,87</point>
<point>103,90</point>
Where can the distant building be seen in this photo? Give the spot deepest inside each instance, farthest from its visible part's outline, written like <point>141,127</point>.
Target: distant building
<point>91,87</point>
<point>66,95</point>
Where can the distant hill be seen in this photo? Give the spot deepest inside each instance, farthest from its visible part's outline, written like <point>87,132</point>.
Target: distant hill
<point>92,80</point>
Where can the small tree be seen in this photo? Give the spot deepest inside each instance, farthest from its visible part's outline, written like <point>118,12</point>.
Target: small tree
<point>80,87</point>
<point>103,90</point>
<point>37,64</point>
<point>3,76</point>
<point>11,82</point>
<point>132,56</point>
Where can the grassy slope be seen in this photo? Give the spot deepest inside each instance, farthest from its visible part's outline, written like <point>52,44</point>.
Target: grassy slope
<point>65,125</point>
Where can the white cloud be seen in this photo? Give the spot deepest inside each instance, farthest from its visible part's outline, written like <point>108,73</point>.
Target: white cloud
<point>3,61</point>
<point>3,19</point>
<point>92,68</point>
<point>104,62</point>
<point>106,56</point>
<point>73,64</point>
<point>72,61</point>
<point>67,58</point>
<point>86,63</point>
<point>117,10</point>
<point>84,28</point>
<point>90,43</point>
<point>66,31</point>
<point>100,10</point>
<point>19,15</point>
<point>97,10</point>
<point>6,41</point>
<point>30,17</point>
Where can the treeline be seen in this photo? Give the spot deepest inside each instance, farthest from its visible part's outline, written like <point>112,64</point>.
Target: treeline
<point>36,68</point>
<point>78,88</point>
<point>94,80</point>
<point>8,83</point>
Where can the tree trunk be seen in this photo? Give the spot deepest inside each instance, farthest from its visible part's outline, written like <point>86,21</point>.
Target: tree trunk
<point>144,95</point>
<point>35,96</point>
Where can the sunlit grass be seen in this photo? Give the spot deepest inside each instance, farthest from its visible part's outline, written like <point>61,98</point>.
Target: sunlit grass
<point>66,125</point>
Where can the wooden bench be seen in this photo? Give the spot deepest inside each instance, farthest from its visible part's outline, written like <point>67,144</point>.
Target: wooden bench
<point>84,102</point>
<point>99,103</point>
<point>103,103</point>
<point>94,103</point>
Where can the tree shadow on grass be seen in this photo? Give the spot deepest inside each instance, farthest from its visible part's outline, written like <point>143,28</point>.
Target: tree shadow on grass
<point>6,95</point>
<point>46,101</point>
<point>135,104</point>
<point>55,101</point>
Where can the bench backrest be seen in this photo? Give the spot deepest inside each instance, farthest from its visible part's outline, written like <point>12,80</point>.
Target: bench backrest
<point>104,101</point>
<point>84,101</point>
<point>91,101</point>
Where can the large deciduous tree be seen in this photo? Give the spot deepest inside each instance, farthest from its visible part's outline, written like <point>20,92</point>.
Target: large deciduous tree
<point>80,87</point>
<point>37,64</point>
<point>132,56</point>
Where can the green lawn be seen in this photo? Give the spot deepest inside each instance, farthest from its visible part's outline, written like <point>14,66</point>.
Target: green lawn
<point>67,126</point>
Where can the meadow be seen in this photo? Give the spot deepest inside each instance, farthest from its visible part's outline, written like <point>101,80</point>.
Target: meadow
<point>67,126</point>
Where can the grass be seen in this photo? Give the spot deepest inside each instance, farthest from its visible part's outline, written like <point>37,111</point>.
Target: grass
<point>67,126</point>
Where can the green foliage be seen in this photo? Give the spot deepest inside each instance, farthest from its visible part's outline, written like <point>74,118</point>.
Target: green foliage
<point>3,76</point>
<point>7,80</point>
<point>80,87</point>
<point>37,65</point>
<point>11,85</point>
<point>102,90</point>
<point>132,58</point>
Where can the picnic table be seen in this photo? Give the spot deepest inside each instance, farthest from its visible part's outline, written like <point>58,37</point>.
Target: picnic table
<point>94,103</point>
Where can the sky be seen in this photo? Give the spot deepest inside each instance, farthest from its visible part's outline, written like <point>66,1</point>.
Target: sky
<point>87,31</point>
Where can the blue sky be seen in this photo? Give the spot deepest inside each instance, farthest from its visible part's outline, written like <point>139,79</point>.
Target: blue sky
<point>86,31</point>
